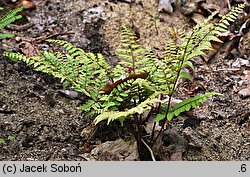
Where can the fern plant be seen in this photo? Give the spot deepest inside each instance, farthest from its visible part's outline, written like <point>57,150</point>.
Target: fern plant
<point>8,18</point>
<point>139,82</point>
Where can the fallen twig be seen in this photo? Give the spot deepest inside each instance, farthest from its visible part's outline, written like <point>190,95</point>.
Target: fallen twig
<point>42,38</point>
<point>150,150</point>
<point>228,69</point>
<point>14,27</point>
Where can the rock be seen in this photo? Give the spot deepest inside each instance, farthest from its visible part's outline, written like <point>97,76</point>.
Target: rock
<point>129,1</point>
<point>50,99</point>
<point>244,93</point>
<point>191,122</point>
<point>193,138</point>
<point>188,8</point>
<point>72,94</point>
<point>210,7</point>
<point>241,62</point>
<point>166,5</point>
<point>69,93</point>
<point>93,14</point>
<point>198,18</point>
<point>72,151</point>
<point>171,137</point>
<point>118,150</point>
<point>42,138</point>
<point>176,156</point>
<point>244,46</point>
<point>170,146</point>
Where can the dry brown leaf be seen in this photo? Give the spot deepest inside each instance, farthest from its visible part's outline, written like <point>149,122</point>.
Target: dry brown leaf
<point>27,4</point>
<point>216,46</point>
<point>198,18</point>
<point>28,49</point>
<point>176,156</point>
<point>210,7</point>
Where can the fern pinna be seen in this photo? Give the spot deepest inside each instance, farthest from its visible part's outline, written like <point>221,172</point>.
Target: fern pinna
<point>8,18</point>
<point>139,80</point>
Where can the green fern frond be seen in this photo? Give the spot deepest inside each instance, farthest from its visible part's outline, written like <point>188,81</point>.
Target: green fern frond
<point>85,72</point>
<point>151,59</point>
<point>17,56</point>
<point>88,71</point>
<point>145,84</point>
<point>121,97</point>
<point>204,33</point>
<point>4,36</point>
<point>122,115</point>
<point>166,74</point>
<point>132,53</point>
<point>8,18</point>
<point>91,107</point>
<point>71,49</point>
<point>169,69</point>
<point>171,49</point>
<point>118,96</point>
<point>185,105</point>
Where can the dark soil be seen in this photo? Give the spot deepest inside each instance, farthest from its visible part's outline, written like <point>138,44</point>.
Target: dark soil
<point>46,124</point>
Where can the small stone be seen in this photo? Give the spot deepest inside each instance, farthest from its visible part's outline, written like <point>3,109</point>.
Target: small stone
<point>2,84</point>
<point>50,99</point>
<point>189,8</point>
<point>176,156</point>
<point>129,1</point>
<point>64,150</point>
<point>193,137</point>
<point>30,159</point>
<point>45,129</point>
<point>71,151</point>
<point>166,5</point>
<point>241,62</point>
<point>244,93</point>
<point>61,111</point>
<point>118,150</point>
<point>42,138</point>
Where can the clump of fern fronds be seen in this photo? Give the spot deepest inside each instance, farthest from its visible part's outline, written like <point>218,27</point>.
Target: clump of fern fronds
<point>8,18</point>
<point>162,74</point>
<point>139,82</point>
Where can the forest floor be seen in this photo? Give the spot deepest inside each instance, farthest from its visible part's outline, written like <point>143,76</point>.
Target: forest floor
<point>46,125</point>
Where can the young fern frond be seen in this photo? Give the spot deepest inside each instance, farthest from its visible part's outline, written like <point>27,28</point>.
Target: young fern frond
<point>122,115</point>
<point>134,60</point>
<point>184,106</point>
<point>8,18</point>
<point>151,65</point>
